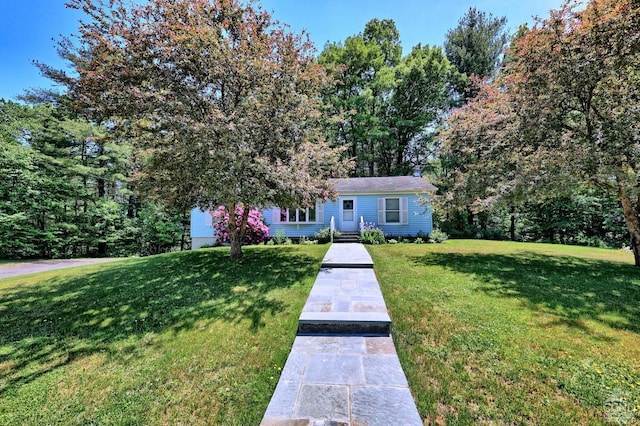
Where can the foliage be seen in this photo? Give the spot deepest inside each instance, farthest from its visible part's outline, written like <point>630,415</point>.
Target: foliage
<point>565,113</point>
<point>183,337</point>
<point>324,235</point>
<point>370,234</point>
<point>437,236</point>
<point>221,103</point>
<point>385,105</point>
<point>279,238</point>
<point>513,333</point>
<point>475,47</point>
<point>256,231</point>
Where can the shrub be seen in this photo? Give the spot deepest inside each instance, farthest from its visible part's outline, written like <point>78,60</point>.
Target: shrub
<point>279,238</point>
<point>437,236</point>
<point>324,235</point>
<point>306,241</point>
<point>393,241</point>
<point>257,230</point>
<point>371,234</point>
<point>419,240</point>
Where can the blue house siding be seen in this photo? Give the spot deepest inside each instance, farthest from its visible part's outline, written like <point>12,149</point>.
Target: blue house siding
<point>368,202</point>
<point>419,220</point>
<point>201,229</point>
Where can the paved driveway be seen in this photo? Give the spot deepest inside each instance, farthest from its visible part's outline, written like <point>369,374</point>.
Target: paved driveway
<point>27,267</point>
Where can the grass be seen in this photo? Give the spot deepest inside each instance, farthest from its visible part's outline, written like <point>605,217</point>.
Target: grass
<point>185,338</point>
<point>509,333</point>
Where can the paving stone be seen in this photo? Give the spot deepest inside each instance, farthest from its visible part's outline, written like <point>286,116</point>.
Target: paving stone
<point>352,345</point>
<point>316,344</point>
<point>334,369</point>
<point>383,370</point>
<point>340,375</point>
<point>383,406</point>
<point>283,401</point>
<point>318,307</point>
<point>380,345</point>
<point>285,422</point>
<point>358,306</point>
<point>341,307</point>
<point>324,402</point>
<point>295,365</point>
<point>348,284</point>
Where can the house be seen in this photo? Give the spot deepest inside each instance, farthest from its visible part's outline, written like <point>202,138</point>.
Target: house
<point>394,204</point>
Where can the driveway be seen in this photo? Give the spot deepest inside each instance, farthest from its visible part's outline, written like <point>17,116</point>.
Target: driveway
<point>12,269</point>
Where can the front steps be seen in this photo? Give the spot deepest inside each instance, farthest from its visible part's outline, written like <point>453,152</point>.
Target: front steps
<point>347,237</point>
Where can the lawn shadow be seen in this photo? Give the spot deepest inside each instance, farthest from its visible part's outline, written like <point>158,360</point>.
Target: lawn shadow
<point>575,289</point>
<point>43,327</point>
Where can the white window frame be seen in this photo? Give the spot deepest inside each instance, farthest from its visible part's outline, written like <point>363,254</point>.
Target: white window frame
<point>277,215</point>
<point>403,212</point>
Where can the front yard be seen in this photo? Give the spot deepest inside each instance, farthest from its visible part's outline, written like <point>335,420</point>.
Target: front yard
<point>487,332</point>
<point>508,333</point>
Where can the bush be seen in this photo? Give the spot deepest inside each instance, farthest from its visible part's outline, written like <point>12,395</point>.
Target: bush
<point>419,240</point>
<point>371,234</point>
<point>437,236</point>
<point>392,241</point>
<point>257,230</point>
<point>306,241</point>
<point>279,238</point>
<point>324,235</point>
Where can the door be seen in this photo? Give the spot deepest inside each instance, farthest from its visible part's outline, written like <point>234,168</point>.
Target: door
<point>348,214</point>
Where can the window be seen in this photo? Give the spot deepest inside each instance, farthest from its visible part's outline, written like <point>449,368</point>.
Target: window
<point>392,210</point>
<point>301,215</point>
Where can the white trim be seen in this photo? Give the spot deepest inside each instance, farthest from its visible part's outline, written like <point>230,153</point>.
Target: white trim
<point>352,225</point>
<point>403,206</point>
<point>276,216</point>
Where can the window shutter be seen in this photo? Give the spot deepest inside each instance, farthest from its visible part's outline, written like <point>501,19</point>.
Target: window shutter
<point>404,210</point>
<point>275,215</point>
<point>319,212</point>
<point>381,220</point>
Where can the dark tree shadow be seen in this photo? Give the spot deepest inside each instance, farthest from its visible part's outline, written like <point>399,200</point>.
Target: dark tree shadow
<point>43,327</point>
<point>574,289</point>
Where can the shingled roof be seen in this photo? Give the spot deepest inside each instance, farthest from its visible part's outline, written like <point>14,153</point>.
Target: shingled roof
<point>383,185</point>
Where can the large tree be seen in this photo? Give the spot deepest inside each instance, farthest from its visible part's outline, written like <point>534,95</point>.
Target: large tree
<point>221,102</point>
<point>389,104</point>
<point>573,85</point>
<point>475,47</point>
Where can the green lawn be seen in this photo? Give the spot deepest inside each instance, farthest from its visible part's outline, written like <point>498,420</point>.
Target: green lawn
<point>488,332</point>
<point>510,333</point>
<point>185,338</point>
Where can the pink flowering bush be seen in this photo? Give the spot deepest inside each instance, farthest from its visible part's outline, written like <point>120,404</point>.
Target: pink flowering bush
<point>257,230</point>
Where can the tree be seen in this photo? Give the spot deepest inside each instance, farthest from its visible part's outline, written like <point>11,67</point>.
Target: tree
<point>475,46</point>
<point>388,104</point>
<point>573,84</point>
<point>221,103</point>
<point>576,86</point>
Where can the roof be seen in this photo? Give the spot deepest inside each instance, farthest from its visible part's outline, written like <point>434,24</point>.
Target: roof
<point>382,185</point>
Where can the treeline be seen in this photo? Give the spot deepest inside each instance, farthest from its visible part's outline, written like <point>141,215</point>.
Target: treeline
<point>68,187</point>
<point>65,191</point>
<point>392,111</point>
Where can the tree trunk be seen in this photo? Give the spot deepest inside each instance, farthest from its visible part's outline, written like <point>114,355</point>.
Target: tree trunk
<point>631,213</point>
<point>236,234</point>
<point>512,225</point>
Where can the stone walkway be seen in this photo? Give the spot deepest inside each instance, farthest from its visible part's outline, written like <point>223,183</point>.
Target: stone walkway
<point>343,368</point>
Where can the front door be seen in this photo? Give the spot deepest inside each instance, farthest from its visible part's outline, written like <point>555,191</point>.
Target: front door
<point>348,215</point>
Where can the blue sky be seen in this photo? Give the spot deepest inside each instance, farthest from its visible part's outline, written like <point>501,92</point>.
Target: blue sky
<point>28,27</point>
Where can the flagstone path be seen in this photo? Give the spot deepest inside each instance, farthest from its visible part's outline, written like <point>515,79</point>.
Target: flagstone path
<point>343,368</point>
